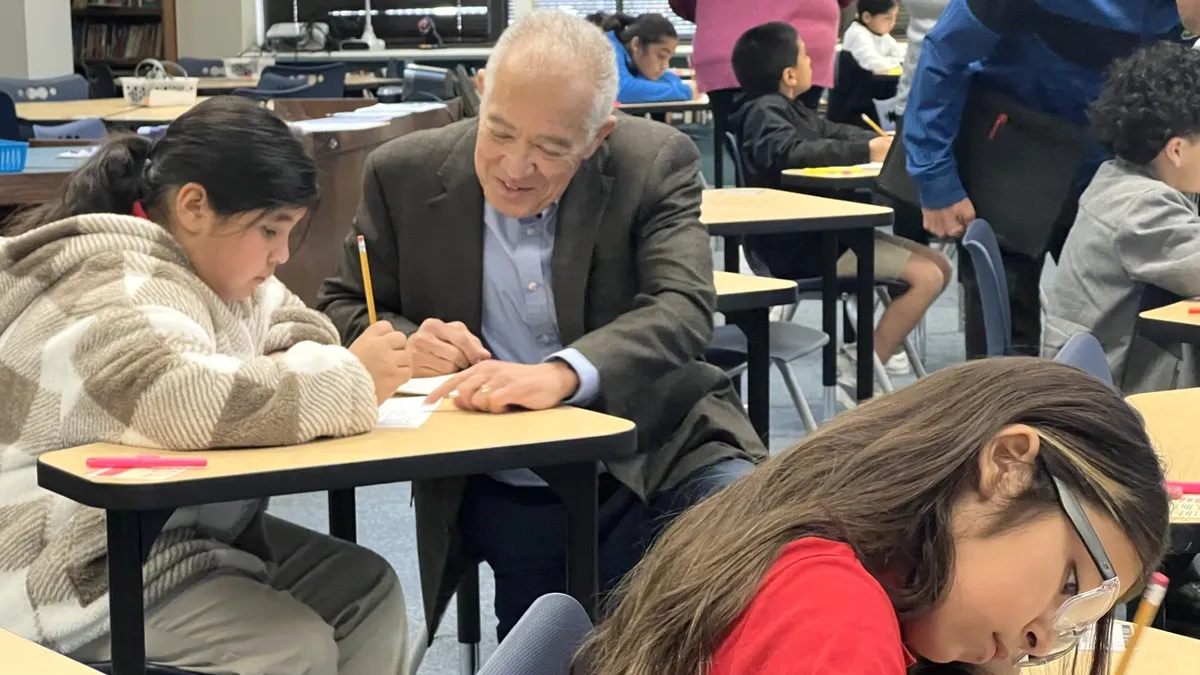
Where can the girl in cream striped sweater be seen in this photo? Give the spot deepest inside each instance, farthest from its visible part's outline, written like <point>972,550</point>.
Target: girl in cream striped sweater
<point>141,308</point>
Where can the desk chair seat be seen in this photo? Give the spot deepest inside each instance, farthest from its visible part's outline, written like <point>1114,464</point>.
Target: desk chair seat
<point>91,129</point>
<point>786,342</point>
<point>544,641</point>
<point>1084,351</point>
<point>151,669</point>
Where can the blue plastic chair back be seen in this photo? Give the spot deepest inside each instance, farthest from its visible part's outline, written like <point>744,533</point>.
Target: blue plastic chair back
<point>1083,351</point>
<point>91,128</point>
<point>426,83</point>
<point>980,242</point>
<point>72,87</point>
<point>735,151</point>
<point>202,67</point>
<point>302,91</point>
<point>10,127</point>
<point>544,641</point>
<point>327,81</point>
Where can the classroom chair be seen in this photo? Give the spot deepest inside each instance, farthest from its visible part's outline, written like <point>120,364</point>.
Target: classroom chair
<point>71,87</point>
<point>102,82</point>
<point>1083,351</point>
<point>10,126</point>
<point>91,128</point>
<point>327,80</point>
<point>855,90</point>
<point>544,640</point>
<point>980,242</point>
<point>202,67</point>
<point>258,94</point>
<point>426,83</point>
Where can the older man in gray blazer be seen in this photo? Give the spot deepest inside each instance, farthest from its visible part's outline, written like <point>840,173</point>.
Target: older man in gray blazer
<point>549,253</point>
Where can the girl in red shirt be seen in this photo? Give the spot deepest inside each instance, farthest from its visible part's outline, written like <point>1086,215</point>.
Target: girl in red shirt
<point>980,518</point>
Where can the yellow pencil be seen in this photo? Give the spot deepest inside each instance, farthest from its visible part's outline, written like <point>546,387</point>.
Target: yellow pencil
<point>1152,597</point>
<point>874,126</point>
<point>366,272</point>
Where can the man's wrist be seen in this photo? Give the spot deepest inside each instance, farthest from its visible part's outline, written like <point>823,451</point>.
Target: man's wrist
<point>567,377</point>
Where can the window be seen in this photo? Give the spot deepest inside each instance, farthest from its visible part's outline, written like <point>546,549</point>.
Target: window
<point>634,7</point>
<point>457,21</point>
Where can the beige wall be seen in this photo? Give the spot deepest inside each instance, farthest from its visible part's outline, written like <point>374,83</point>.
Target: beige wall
<point>35,38</point>
<point>213,28</point>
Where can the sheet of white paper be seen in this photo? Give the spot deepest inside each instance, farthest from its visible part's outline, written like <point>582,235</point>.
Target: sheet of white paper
<point>1186,509</point>
<point>390,110</point>
<point>422,386</point>
<point>337,124</point>
<point>404,413</point>
<point>1120,634</point>
<point>81,153</point>
<point>870,165</point>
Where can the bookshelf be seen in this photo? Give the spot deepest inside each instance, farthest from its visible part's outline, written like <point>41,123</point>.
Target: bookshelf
<point>123,32</point>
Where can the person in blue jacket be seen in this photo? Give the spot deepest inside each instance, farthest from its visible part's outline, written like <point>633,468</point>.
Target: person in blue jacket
<point>1050,56</point>
<point>644,46</point>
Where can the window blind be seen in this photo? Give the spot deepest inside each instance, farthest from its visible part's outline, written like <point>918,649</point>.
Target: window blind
<point>633,7</point>
<point>580,7</point>
<point>686,29</point>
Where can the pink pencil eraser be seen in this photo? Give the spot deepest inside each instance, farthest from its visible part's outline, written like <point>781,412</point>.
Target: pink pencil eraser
<point>1159,579</point>
<point>1174,492</point>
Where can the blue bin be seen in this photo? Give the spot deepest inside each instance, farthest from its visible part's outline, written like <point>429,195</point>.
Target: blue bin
<point>12,156</point>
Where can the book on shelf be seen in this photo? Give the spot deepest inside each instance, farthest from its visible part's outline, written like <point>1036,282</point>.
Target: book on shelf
<point>119,4</point>
<point>124,42</point>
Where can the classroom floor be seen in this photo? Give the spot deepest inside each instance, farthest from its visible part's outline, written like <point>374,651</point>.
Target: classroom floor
<point>386,520</point>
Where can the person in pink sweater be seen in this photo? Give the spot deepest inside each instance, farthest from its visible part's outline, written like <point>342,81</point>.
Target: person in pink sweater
<point>720,22</point>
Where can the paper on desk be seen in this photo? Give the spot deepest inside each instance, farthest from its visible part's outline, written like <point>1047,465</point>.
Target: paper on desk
<point>1121,633</point>
<point>1186,508</point>
<point>390,110</point>
<point>337,124</point>
<point>422,386</point>
<point>404,413</point>
<point>80,153</point>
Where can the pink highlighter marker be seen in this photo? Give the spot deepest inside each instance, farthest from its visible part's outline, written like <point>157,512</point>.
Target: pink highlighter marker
<point>145,462</point>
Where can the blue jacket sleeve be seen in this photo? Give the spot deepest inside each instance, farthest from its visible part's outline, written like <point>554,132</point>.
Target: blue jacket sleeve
<point>637,89</point>
<point>939,92</point>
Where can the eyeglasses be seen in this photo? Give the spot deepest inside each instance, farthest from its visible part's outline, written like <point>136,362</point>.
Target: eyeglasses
<point>1081,611</point>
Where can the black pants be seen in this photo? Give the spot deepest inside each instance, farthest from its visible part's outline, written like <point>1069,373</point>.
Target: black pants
<point>522,532</point>
<point>1024,275</point>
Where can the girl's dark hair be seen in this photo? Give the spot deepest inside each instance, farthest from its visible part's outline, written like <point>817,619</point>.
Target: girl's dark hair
<point>245,157</point>
<point>885,479</point>
<point>647,28</point>
<point>1151,97</point>
<point>874,7</point>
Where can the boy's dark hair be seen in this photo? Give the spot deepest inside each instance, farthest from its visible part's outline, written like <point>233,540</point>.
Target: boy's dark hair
<point>1151,97</point>
<point>761,55</point>
<point>647,28</point>
<point>243,154</point>
<point>874,7</point>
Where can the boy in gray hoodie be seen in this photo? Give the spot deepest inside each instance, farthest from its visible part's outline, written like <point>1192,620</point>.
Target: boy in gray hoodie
<point>1138,224</point>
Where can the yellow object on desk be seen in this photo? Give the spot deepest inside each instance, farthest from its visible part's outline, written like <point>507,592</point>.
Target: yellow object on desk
<point>863,170</point>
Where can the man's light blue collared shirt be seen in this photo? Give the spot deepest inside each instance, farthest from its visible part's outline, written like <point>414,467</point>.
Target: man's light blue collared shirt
<point>519,324</point>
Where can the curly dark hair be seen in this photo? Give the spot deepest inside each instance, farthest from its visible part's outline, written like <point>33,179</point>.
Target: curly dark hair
<point>1151,97</point>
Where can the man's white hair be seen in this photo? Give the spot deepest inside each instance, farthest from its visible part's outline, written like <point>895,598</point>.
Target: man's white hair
<point>554,41</point>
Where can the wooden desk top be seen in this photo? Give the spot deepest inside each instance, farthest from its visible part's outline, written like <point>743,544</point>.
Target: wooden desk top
<point>1170,423</point>
<point>450,443</point>
<point>736,292</point>
<point>107,109</point>
<point>738,211</point>
<point>1175,313</point>
<point>354,81</point>
<point>22,656</point>
<point>1158,653</point>
<point>831,178</point>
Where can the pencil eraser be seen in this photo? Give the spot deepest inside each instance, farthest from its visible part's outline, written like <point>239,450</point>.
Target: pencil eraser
<point>1174,492</point>
<point>1159,579</point>
<point>1194,309</point>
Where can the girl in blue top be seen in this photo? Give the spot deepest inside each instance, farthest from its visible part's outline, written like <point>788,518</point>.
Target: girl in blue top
<point>644,46</point>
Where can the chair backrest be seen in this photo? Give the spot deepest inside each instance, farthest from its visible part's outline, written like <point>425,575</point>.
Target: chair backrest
<point>73,87</point>
<point>980,242</point>
<point>851,93</point>
<point>202,67</point>
<point>327,80</point>
<point>544,641</point>
<point>1084,351</point>
<point>300,91</point>
<point>10,127</point>
<point>426,83</point>
<point>735,151</point>
<point>91,128</point>
<point>102,82</point>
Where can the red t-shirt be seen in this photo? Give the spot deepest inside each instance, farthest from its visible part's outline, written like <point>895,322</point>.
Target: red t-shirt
<point>817,612</point>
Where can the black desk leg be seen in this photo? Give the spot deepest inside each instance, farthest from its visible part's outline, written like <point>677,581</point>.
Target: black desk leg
<point>578,488</point>
<point>755,325</point>
<point>829,319</point>
<point>343,519</point>
<point>125,536</point>
<point>865,252</point>
<point>732,245</point>
<point>469,632</point>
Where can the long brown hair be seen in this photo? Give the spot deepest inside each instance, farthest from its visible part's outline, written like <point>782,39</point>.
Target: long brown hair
<point>884,479</point>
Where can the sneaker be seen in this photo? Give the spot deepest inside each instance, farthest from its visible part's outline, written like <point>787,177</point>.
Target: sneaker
<point>847,381</point>
<point>899,365</point>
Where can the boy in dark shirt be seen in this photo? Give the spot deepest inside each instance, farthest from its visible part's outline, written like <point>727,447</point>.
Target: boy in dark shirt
<point>777,132</point>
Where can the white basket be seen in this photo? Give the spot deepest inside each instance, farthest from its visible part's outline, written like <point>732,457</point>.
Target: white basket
<point>247,67</point>
<point>153,87</point>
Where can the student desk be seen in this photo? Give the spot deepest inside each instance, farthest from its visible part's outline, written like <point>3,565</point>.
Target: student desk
<point>1172,324</point>
<point>840,178</point>
<point>1158,653</point>
<point>354,83</point>
<point>746,300</point>
<point>737,212</point>
<point>450,54</point>
<point>1170,421</point>
<point>693,105</point>
<point>26,658</point>
<point>44,173</point>
<point>108,109</point>
<point>562,445</point>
